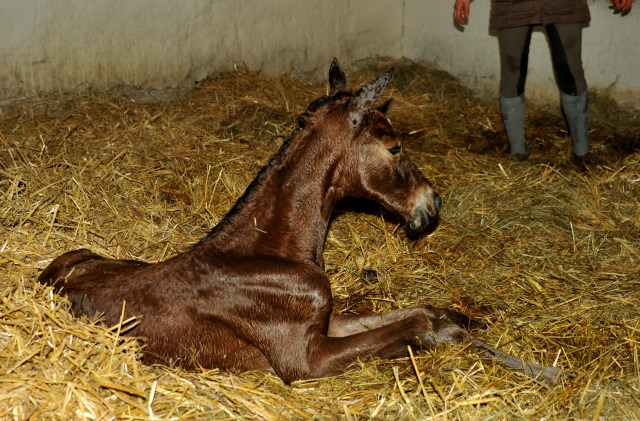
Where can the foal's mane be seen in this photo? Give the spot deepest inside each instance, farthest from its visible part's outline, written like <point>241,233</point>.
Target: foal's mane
<point>325,100</point>
<point>301,121</point>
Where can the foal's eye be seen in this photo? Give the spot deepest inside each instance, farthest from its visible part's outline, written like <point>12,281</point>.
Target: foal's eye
<point>394,150</point>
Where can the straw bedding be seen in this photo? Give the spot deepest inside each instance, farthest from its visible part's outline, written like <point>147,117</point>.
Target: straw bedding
<point>546,254</point>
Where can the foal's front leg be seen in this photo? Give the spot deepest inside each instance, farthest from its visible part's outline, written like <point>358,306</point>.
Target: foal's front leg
<point>350,324</point>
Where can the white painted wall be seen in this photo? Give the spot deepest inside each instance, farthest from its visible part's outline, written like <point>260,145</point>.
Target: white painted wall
<point>50,45</point>
<point>61,45</point>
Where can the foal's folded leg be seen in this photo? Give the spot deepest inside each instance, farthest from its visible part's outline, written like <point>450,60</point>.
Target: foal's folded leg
<point>321,355</point>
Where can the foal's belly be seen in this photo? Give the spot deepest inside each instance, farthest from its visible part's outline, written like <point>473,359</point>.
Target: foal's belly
<point>200,345</point>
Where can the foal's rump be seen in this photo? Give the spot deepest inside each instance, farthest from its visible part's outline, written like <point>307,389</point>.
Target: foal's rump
<point>64,271</point>
<point>83,276</point>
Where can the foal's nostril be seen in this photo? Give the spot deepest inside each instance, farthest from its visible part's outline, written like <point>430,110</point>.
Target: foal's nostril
<point>437,202</point>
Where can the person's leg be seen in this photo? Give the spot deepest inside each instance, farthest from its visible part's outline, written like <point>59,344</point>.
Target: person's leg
<point>565,41</point>
<point>514,60</point>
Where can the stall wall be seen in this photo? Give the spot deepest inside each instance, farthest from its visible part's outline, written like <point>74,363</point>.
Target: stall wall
<point>48,45</point>
<point>63,45</point>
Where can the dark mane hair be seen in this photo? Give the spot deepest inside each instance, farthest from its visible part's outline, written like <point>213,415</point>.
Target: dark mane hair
<point>301,120</point>
<point>324,100</point>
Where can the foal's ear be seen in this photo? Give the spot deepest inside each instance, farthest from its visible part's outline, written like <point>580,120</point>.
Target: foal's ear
<point>363,100</point>
<point>337,79</point>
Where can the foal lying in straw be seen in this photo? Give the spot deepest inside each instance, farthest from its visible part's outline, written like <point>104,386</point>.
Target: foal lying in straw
<point>253,294</point>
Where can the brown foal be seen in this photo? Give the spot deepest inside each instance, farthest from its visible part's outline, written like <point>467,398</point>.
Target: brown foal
<point>253,294</point>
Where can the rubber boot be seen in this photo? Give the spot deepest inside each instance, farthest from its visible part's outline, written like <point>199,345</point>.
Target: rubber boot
<point>576,112</point>
<point>513,118</point>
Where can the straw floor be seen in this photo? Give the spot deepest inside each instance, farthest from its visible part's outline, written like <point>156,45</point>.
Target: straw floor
<point>546,254</point>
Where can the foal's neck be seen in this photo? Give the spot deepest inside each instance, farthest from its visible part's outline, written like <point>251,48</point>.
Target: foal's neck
<point>286,210</point>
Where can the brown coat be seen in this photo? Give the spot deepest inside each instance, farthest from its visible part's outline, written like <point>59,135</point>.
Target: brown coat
<point>512,13</point>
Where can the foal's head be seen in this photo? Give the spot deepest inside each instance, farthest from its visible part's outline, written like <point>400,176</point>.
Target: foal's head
<point>376,165</point>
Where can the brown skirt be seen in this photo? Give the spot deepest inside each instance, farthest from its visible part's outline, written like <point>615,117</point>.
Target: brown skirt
<point>512,13</point>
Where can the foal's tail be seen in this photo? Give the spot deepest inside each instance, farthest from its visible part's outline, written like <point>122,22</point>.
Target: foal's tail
<point>547,374</point>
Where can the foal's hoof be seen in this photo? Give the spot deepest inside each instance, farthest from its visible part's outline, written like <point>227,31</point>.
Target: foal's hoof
<point>475,324</point>
<point>463,320</point>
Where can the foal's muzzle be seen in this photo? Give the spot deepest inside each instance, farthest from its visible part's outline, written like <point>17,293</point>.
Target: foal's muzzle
<point>425,217</point>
